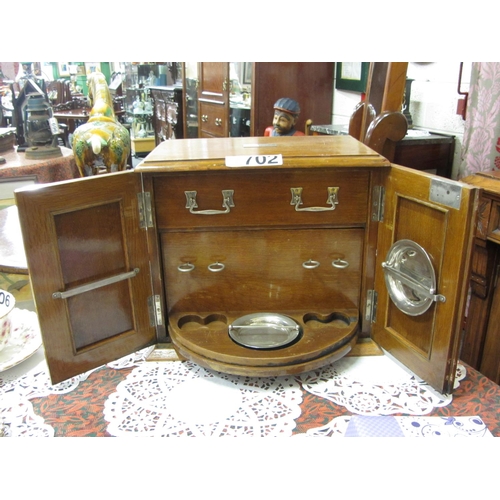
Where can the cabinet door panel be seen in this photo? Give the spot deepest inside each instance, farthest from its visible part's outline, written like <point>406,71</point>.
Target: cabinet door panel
<point>85,262</point>
<point>214,82</point>
<point>89,269</point>
<point>213,98</point>
<point>428,342</point>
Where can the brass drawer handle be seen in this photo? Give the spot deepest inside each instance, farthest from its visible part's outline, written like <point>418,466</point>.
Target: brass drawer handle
<point>227,203</point>
<point>331,200</point>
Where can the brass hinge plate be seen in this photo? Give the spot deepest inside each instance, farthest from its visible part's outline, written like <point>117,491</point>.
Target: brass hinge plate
<point>371,306</point>
<point>154,308</point>
<point>378,202</point>
<point>145,210</point>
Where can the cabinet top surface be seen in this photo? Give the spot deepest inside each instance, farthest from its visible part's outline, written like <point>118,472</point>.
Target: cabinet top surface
<point>302,151</point>
<point>489,181</point>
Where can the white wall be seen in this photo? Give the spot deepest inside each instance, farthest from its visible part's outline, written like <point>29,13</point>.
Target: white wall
<point>434,99</point>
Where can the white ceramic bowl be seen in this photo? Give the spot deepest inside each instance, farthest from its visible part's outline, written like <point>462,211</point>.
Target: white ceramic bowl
<point>7,303</point>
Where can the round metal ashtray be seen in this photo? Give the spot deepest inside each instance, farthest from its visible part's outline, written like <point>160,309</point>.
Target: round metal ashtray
<point>264,331</point>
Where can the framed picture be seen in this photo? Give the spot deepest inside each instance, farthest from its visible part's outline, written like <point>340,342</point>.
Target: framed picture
<point>352,76</point>
<point>247,73</point>
<point>91,67</point>
<point>63,68</point>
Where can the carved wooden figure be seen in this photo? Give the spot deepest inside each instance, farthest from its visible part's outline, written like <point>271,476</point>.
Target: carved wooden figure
<point>102,142</point>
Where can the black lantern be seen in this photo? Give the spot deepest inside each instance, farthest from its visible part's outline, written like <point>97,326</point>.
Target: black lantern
<point>40,128</point>
<point>32,104</point>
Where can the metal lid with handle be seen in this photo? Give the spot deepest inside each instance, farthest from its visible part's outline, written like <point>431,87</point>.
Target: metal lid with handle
<point>410,278</point>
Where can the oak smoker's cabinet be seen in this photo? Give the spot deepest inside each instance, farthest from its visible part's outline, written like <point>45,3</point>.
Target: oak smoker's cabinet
<point>255,256</point>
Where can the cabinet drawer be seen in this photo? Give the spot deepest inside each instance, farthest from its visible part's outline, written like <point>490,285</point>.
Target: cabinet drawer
<point>277,270</point>
<point>261,198</point>
<point>213,119</point>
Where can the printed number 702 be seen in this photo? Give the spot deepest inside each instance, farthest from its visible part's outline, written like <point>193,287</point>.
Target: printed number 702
<point>264,160</point>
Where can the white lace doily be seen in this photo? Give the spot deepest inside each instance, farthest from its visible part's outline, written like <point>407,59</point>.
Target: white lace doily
<point>183,399</point>
<point>375,385</point>
<point>17,418</point>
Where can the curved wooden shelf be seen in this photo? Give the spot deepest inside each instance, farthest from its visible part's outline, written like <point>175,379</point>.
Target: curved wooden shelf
<point>204,339</point>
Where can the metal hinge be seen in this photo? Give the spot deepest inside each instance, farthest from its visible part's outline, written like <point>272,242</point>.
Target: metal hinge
<point>154,308</point>
<point>371,306</point>
<point>145,211</point>
<point>378,202</point>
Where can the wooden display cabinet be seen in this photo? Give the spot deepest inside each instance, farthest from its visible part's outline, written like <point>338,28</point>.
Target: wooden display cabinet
<point>205,232</point>
<point>213,99</point>
<point>167,113</point>
<point>481,348</point>
<point>427,152</point>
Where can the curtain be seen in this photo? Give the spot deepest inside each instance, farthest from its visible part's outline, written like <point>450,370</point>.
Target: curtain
<point>481,142</point>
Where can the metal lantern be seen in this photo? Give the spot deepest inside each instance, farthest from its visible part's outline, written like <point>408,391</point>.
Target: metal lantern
<point>39,128</point>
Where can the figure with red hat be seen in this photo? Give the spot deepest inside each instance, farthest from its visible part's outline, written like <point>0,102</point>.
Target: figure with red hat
<point>286,114</point>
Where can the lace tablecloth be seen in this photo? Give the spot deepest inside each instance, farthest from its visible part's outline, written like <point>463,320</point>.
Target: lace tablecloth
<point>135,397</point>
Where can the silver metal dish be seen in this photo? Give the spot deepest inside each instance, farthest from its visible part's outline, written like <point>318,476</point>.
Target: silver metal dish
<point>410,278</point>
<point>264,331</point>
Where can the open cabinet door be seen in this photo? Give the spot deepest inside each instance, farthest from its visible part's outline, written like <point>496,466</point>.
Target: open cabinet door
<point>421,276</point>
<point>89,269</point>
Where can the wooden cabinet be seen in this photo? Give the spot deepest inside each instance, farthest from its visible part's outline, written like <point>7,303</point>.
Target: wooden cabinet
<point>481,346</point>
<point>213,99</point>
<point>207,232</point>
<point>167,113</point>
<point>427,152</point>
<point>420,150</point>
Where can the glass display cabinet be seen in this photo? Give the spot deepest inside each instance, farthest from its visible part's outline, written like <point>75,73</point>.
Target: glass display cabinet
<point>138,104</point>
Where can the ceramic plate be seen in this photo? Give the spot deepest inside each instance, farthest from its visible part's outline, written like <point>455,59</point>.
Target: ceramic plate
<point>24,341</point>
